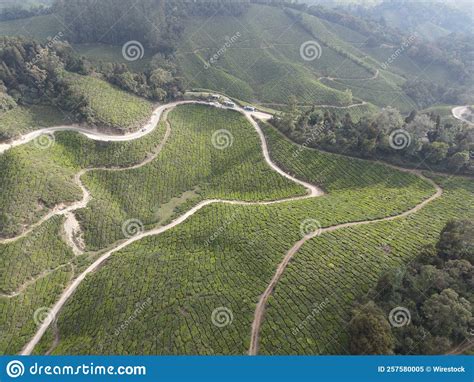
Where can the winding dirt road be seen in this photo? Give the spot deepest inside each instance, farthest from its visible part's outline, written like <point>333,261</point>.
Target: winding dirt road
<point>459,112</point>
<point>313,191</point>
<point>93,133</point>
<point>62,209</point>
<point>260,309</point>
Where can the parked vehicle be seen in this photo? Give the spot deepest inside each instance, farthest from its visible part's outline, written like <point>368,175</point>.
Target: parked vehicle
<point>229,104</point>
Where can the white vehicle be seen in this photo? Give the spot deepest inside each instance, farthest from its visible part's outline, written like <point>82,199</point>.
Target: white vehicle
<point>229,104</point>
<point>214,96</point>
<point>249,108</point>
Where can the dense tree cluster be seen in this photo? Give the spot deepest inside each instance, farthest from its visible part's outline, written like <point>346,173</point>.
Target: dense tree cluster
<point>424,138</point>
<point>159,83</point>
<point>453,55</point>
<point>157,24</point>
<point>30,72</point>
<point>436,289</point>
<point>36,73</point>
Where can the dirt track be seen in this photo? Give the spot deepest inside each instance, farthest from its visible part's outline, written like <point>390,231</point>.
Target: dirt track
<point>313,191</point>
<point>260,309</point>
<point>458,113</point>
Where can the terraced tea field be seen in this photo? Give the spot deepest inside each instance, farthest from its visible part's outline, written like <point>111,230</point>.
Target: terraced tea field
<point>110,106</point>
<point>309,312</point>
<point>211,265</point>
<point>188,161</point>
<point>263,59</point>
<point>195,226</point>
<point>21,120</point>
<point>259,59</point>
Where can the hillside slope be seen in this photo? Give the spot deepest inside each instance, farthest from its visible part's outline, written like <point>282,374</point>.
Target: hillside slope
<point>258,56</point>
